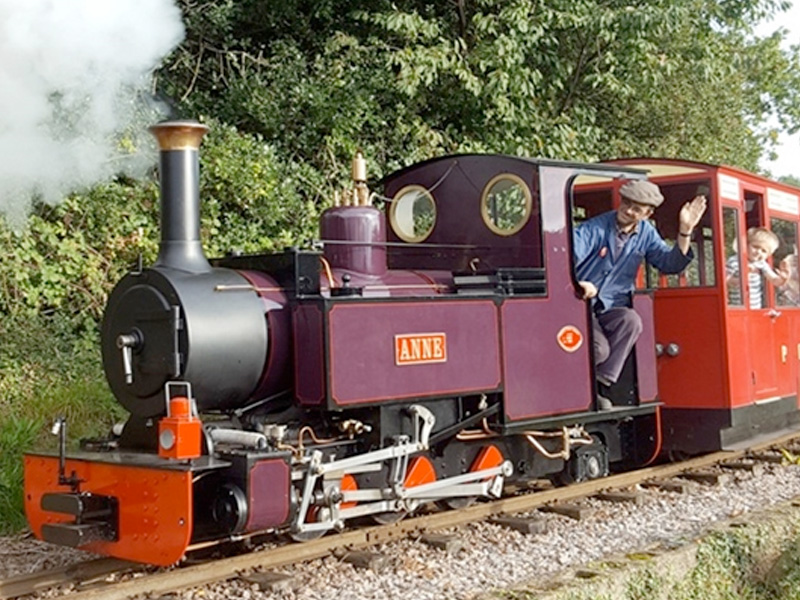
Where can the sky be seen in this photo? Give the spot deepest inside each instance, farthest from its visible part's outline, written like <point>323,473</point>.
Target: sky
<point>788,162</point>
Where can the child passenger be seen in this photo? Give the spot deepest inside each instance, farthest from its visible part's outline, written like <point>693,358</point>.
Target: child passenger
<point>761,243</point>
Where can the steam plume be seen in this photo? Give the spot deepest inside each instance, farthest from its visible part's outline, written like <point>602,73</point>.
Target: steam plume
<point>74,76</point>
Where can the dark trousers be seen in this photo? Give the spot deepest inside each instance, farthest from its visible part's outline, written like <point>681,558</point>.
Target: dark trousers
<point>615,332</point>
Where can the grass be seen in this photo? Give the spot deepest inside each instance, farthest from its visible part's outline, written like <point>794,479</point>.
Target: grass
<point>724,570</point>
<point>16,434</point>
<point>46,370</point>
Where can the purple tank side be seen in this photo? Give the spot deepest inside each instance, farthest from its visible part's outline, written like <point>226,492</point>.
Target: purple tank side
<point>366,342</point>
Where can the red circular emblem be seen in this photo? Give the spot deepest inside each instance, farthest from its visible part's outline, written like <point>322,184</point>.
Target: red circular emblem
<point>569,338</point>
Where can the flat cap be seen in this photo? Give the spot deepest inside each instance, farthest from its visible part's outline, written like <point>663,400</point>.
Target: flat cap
<point>642,192</point>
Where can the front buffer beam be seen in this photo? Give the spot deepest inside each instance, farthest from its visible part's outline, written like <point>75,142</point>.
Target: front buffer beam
<point>136,513</point>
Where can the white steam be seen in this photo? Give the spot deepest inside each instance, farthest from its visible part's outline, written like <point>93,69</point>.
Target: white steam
<point>74,79</point>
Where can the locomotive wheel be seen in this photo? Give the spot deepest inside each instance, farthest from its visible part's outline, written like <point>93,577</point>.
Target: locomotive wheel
<point>388,518</point>
<point>457,503</point>
<point>308,536</point>
<point>588,462</point>
<point>348,484</point>
<point>591,470</point>
<point>593,467</point>
<point>420,471</point>
<point>489,456</point>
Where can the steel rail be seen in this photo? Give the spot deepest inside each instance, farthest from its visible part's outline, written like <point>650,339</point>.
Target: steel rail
<point>219,570</point>
<point>31,583</point>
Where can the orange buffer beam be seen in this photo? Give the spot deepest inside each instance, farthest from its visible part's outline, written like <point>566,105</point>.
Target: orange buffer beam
<point>155,505</point>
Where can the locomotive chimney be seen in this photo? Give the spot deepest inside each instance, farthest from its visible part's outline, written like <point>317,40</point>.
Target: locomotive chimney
<point>179,174</point>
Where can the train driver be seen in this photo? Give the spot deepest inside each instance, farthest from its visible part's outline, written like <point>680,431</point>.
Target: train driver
<point>608,251</point>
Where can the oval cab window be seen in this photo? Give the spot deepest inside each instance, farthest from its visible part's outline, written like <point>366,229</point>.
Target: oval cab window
<point>413,213</point>
<point>506,204</point>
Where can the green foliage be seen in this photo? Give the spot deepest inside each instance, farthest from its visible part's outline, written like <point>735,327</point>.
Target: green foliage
<point>709,98</point>
<point>252,199</point>
<point>68,257</point>
<point>46,369</point>
<point>15,435</point>
<point>644,587</point>
<point>789,180</point>
<point>574,79</point>
<point>723,572</point>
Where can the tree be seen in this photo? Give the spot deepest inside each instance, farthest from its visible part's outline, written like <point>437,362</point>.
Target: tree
<point>575,79</point>
<point>790,180</point>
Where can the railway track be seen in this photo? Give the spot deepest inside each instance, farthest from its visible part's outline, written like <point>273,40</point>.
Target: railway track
<point>109,579</point>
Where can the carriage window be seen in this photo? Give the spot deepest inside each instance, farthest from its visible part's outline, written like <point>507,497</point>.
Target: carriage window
<point>705,258</point>
<point>701,271</point>
<point>733,271</point>
<point>784,262</point>
<point>413,213</point>
<point>506,204</point>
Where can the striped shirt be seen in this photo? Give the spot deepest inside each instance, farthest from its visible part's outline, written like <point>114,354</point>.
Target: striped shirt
<point>755,280</point>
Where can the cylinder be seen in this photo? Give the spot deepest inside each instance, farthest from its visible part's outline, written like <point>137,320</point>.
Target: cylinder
<point>179,175</point>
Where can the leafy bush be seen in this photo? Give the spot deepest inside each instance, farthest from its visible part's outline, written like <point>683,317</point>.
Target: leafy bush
<point>410,79</point>
<point>46,370</point>
<point>69,256</point>
<point>252,200</point>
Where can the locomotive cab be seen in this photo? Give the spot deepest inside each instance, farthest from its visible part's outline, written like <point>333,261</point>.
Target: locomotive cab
<point>501,226</point>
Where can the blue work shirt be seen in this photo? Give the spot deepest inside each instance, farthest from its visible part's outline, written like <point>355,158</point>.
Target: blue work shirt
<point>613,273</point>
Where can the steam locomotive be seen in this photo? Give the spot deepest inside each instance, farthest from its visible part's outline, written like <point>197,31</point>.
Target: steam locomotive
<point>434,350</point>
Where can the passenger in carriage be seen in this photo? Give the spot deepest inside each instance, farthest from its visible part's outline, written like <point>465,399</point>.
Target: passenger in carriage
<point>761,244</point>
<point>789,292</point>
<point>609,249</point>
